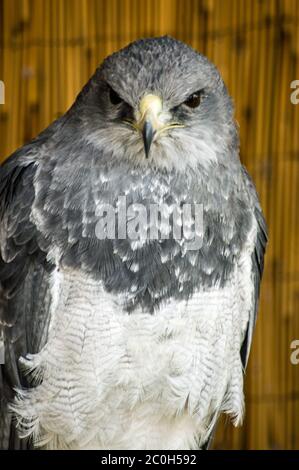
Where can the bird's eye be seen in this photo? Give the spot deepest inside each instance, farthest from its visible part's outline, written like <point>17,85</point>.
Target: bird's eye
<point>114,97</point>
<point>194,100</point>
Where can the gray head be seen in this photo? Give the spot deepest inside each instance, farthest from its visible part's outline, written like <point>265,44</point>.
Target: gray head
<point>159,103</point>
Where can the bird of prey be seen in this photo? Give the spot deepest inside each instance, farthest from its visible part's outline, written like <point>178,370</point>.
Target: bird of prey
<point>125,342</point>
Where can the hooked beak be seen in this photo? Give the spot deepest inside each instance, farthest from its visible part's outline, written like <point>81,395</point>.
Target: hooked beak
<point>148,133</point>
<point>149,108</point>
<point>150,120</point>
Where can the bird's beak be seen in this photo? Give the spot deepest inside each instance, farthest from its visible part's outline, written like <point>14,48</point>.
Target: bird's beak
<point>151,120</point>
<point>148,133</point>
<point>149,109</point>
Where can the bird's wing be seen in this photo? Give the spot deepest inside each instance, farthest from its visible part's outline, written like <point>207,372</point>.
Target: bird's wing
<point>24,282</point>
<point>256,253</point>
<point>249,274</point>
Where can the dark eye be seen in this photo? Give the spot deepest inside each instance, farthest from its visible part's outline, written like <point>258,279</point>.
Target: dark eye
<point>194,100</point>
<point>114,97</point>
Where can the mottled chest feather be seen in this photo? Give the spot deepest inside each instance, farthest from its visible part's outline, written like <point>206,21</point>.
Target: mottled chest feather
<point>68,211</point>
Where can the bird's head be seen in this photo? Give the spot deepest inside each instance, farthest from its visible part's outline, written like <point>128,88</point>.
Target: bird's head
<point>158,102</point>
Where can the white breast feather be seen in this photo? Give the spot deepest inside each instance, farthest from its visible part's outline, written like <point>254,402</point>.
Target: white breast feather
<point>118,381</point>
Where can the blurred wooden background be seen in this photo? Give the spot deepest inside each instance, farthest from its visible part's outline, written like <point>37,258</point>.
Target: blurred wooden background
<point>48,50</point>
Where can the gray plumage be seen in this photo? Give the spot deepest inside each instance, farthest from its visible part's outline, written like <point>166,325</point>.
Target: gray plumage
<point>51,189</point>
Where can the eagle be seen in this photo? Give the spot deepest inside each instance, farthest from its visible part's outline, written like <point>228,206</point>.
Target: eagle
<point>113,338</point>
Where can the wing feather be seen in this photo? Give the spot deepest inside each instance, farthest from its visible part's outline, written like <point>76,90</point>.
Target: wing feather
<point>257,265</point>
<point>24,284</point>
<point>254,251</point>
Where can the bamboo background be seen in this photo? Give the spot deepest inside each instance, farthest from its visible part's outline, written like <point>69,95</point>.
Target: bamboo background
<point>48,50</point>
